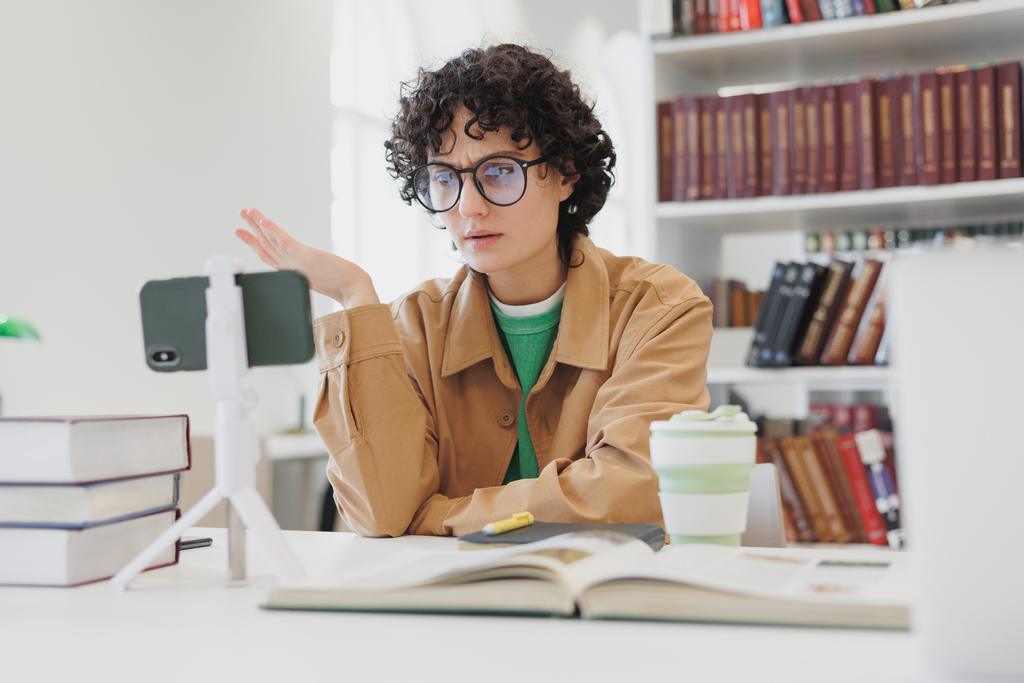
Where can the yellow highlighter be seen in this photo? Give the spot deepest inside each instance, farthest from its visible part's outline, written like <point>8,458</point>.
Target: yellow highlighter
<point>516,521</point>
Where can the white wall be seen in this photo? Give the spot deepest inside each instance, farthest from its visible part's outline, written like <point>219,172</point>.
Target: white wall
<point>131,133</point>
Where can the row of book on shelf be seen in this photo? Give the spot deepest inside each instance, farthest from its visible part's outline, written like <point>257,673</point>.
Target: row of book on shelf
<point>81,496</point>
<point>837,475</point>
<point>956,124</point>
<point>738,305</point>
<point>813,314</point>
<point>697,17</point>
<point>879,239</point>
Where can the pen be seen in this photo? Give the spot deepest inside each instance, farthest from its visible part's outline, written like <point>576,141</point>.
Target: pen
<point>516,521</point>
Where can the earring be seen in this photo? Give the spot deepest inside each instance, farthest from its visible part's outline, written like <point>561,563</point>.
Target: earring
<point>573,208</point>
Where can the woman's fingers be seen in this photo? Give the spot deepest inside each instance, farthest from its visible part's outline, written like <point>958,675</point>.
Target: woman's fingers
<point>255,219</point>
<point>254,243</point>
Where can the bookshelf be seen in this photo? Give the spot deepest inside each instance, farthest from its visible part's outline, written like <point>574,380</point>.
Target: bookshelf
<point>969,32</point>
<point>690,235</point>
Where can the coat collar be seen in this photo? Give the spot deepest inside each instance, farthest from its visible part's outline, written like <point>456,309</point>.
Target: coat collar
<point>582,338</point>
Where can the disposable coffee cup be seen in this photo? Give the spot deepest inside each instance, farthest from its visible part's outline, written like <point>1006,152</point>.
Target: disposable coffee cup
<point>703,462</point>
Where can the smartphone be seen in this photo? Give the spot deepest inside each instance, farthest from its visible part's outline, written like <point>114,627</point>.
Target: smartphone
<point>278,321</point>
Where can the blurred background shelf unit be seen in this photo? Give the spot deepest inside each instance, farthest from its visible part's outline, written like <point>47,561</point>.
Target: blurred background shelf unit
<point>741,238</point>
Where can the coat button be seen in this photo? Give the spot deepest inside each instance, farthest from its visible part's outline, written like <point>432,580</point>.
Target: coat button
<point>339,338</point>
<point>506,418</point>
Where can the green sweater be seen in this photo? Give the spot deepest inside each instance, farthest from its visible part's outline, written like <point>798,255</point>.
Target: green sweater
<point>528,342</point>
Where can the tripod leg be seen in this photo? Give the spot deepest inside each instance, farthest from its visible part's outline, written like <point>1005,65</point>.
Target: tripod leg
<point>143,559</point>
<point>260,521</point>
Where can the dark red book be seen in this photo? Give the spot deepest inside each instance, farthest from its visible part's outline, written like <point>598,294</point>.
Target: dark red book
<point>701,16</point>
<point>931,137</point>
<point>849,168</point>
<point>812,138</point>
<point>910,130</point>
<point>867,116</point>
<point>680,156</point>
<point>767,143</point>
<point>798,139</point>
<point>721,124</point>
<point>737,176</point>
<point>831,138</point>
<point>694,148</point>
<point>949,125</point>
<point>985,84</point>
<point>967,136</point>
<point>857,476</point>
<point>1008,119</point>
<point>751,146</point>
<point>780,114</point>
<point>665,140</point>
<point>887,135</point>
<point>810,9</point>
<point>708,146</point>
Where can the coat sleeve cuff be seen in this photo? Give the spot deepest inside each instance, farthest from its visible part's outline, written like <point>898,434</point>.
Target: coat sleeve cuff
<point>353,335</point>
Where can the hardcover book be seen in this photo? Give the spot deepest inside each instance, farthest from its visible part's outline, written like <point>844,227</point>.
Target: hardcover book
<point>78,450</point>
<point>694,148</point>
<point>665,138</point>
<point>867,116</point>
<point>985,82</point>
<point>794,508</point>
<point>780,113</point>
<point>886,98</point>
<point>849,173</point>
<point>948,110</point>
<point>910,130</point>
<point>931,138</point>
<point>70,557</point>
<point>751,145</point>
<point>680,153</point>
<point>708,146</point>
<point>737,176</point>
<point>967,135</point>
<point>856,475</point>
<point>73,506</point>
<point>721,125</point>
<point>1008,119</point>
<point>841,336</point>
<point>795,318</point>
<point>767,144</point>
<point>831,138</point>
<point>767,315</point>
<point>812,137</point>
<point>798,139</point>
<point>833,295</point>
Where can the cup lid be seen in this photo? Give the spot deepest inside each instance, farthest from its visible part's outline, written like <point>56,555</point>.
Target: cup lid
<point>726,418</point>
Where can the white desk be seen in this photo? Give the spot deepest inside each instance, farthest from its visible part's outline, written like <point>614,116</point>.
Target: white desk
<point>184,624</point>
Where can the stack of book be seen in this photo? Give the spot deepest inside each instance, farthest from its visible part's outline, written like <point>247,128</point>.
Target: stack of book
<point>837,477</point>
<point>956,124</point>
<point>81,496</point>
<point>697,17</point>
<point>821,315</point>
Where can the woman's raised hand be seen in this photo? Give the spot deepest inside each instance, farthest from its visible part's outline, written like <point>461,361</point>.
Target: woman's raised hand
<point>327,273</point>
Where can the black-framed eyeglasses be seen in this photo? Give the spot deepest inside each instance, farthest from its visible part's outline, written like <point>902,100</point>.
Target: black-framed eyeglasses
<point>500,179</point>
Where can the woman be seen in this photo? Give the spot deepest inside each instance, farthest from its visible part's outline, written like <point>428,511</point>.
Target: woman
<point>529,379</point>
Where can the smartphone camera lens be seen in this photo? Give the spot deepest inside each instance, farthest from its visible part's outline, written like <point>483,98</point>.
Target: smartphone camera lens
<point>165,356</point>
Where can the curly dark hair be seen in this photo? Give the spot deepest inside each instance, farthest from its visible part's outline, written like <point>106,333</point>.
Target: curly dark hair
<point>509,86</point>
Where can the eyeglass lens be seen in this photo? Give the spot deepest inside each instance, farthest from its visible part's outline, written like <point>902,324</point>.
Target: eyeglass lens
<point>501,180</point>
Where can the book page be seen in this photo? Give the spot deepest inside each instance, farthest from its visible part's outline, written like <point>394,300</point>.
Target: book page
<point>818,575</point>
<point>571,559</point>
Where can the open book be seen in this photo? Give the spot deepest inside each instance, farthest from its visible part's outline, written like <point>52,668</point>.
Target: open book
<point>605,575</point>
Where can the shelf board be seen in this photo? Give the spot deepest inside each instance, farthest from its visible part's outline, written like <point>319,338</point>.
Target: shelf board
<point>969,32</point>
<point>837,378</point>
<point>916,205</point>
